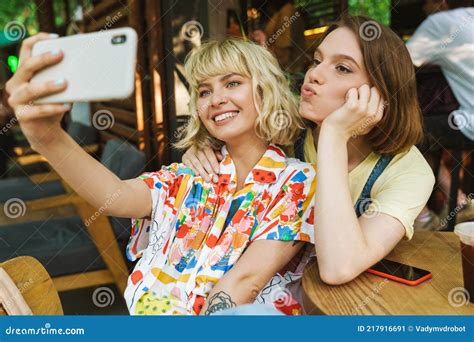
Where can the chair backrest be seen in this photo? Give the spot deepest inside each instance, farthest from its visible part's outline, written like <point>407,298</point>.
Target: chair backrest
<point>82,134</point>
<point>34,287</point>
<point>123,159</point>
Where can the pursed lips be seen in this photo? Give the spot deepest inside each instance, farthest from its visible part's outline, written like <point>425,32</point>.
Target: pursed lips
<point>307,90</point>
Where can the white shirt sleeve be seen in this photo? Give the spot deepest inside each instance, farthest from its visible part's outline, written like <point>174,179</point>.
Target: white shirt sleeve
<point>426,43</point>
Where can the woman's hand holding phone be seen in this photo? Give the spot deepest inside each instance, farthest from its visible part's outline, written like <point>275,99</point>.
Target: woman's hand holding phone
<point>362,110</point>
<point>40,123</point>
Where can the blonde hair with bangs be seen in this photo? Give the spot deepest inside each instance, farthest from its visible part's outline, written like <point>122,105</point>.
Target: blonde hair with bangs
<point>278,121</point>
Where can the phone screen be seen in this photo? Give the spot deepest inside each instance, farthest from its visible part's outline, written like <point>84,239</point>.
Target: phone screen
<point>399,270</point>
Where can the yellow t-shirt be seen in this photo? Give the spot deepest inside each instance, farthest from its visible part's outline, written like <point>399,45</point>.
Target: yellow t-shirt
<point>402,189</point>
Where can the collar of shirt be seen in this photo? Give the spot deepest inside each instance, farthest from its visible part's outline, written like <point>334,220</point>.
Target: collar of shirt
<point>266,171</point>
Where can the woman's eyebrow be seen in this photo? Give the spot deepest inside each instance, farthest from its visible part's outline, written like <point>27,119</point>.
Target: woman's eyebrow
<point>226,77</point>
<point>222,79</point>
<point>339,56</point>
<point>349,58</point>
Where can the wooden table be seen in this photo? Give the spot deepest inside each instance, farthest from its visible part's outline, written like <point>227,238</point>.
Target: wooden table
<point>369,294</point>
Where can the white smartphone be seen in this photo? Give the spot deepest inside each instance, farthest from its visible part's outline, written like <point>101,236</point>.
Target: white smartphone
<point>97,66</point>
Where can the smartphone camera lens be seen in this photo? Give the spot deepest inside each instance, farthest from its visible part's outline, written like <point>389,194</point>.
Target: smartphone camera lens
<point>119,39</point>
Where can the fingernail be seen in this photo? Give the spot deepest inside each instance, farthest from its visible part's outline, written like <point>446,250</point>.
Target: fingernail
<point>215,178</point>
<point>59,82</point>
<point>67,106</point>
<point>55,51</point>
<point>53,35</point>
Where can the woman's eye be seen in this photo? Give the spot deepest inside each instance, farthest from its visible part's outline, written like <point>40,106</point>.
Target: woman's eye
<point>315,62</point>
<point>204,93</point>
<point>343,69</point>
<point>232,84</point>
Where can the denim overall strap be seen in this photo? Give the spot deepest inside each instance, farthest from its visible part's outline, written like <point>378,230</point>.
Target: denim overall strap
<point>364,199</point>
<point>299,146</point>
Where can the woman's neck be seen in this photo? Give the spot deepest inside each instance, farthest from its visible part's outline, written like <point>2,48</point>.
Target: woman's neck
<point>357,149</point>
<point>245,156</point>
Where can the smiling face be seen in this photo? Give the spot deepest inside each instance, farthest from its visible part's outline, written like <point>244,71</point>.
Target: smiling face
<point>226,107</point>
<point>338,65</point>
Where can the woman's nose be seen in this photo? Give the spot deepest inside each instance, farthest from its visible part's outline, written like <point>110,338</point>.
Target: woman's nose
<point>218,99</point>
<point>315,75</point>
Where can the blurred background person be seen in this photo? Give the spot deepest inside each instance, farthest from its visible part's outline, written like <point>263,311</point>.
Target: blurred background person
<point>445,40</point>
<point>283,34</point>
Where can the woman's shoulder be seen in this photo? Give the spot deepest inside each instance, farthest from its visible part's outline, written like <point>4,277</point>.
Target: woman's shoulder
<point>409,167</point>
<point>411,161</point>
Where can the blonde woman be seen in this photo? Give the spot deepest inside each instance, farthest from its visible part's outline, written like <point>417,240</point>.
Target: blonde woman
<point>202,246</point>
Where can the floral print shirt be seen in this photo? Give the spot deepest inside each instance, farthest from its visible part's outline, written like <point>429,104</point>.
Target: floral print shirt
<point>198,230</point>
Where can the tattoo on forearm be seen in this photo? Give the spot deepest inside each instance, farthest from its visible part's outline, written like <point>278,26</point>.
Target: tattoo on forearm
<point>220,301</point>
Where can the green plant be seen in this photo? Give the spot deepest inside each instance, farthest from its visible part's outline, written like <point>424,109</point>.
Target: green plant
<point>377,9</point>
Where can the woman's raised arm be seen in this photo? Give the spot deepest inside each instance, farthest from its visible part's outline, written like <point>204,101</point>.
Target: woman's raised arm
<point>41,125</point>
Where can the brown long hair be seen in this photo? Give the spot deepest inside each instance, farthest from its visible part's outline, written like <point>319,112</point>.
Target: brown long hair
<point>391,71</point>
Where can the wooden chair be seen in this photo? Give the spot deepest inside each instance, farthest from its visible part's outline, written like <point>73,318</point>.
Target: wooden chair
<point>85,250</point>
<point>27,289</point>
<point>104,239</point>
<point>25,158</point>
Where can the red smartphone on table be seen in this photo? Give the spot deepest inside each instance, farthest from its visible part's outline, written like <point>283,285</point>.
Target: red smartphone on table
<point>402,273</point>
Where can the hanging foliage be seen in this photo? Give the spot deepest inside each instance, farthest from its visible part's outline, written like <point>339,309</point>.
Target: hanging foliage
<point>377,9</point>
